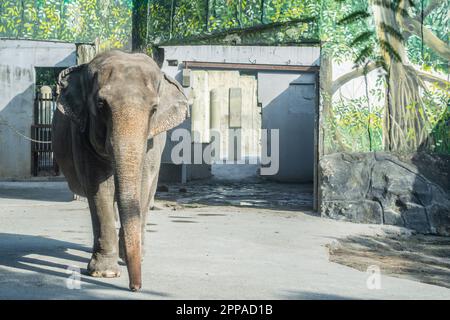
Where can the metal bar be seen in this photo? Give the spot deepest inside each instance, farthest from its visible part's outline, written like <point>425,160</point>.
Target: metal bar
<point>36,103</point>
<point>45,106</point>
<point>33,154</point>
<point>41,125</point>
<point>248,66</point>
<point>42,159</point>
<point>40,109</point>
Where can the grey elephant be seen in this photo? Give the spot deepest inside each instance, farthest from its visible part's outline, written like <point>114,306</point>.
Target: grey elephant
<point>109,131</point>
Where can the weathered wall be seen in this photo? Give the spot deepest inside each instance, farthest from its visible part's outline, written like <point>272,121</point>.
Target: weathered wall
<point>301,56</point>
<point>18,58</point>
<point>289,104</point>
<point>295,55</point>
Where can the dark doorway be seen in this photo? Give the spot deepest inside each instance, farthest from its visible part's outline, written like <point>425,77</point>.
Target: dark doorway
<point>42,160</point>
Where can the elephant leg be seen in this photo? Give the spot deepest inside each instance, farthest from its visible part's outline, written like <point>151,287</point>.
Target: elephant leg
<point>149,201</point>
<point>105,252</point>
<point>151,170</point>
<point>153,188</point>
<point>159,144</point>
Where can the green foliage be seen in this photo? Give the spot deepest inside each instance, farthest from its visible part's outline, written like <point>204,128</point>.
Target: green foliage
<point>351,123</point>
<point>47,75</point>
<point>67,20</point>
<point>337,36</point>
<point>348,31</point>
<point>437,108</point>
<point>366,45</point>
<point>182,19</point>
<point>345,28</point>
<point>354,16</point>
<point>419,53</point>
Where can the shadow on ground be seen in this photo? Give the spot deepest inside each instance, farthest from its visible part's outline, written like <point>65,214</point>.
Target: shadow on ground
<point>255,194</point>
<point>306,295</point>
<point>421,258</point>
<point>39,191</point>
<point>24,276</point>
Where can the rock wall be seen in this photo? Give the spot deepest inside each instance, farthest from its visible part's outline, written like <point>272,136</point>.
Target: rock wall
<point>380,188</point>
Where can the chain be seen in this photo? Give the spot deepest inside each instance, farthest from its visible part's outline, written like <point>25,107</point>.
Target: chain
<point>21,134</point>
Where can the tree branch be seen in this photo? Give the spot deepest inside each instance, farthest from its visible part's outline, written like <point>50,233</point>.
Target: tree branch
<point>436,44</point>
<point>355,73</point>
<point>428,77</point>
<point>431,6</point>
<point>359,72</point>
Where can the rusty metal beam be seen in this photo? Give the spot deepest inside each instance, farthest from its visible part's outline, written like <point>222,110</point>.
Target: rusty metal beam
<point>248,66</point>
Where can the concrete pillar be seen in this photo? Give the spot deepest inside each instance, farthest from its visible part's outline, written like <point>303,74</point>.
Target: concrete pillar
<point>85,53</point>
<point>44,116</point>
<point>215,109</point>
<point>219,116</point>
<point>251,117</point>
<point>200,107</point>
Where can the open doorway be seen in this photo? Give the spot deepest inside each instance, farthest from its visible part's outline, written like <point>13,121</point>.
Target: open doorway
<point>226,114</point>
<point>288,101</point>
<point>271,89</point>
<point>245,106</point>
<point>241,108</point>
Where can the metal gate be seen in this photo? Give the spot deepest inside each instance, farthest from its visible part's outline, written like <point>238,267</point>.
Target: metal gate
<point>42,160</point>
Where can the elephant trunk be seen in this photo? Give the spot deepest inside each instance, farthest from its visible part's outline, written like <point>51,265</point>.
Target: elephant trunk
<point>128,149</point>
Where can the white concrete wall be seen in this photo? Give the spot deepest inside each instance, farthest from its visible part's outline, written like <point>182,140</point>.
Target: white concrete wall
<point>18,58</point>
<point>270,55</point>
<point>289,105</point>
<point>299,56</point>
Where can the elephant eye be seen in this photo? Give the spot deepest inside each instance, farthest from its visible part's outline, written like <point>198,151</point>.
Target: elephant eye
<point>101,103</point>
<point>154,108</point>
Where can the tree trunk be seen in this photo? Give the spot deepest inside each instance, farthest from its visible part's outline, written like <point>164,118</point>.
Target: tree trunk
<point>405,123</point>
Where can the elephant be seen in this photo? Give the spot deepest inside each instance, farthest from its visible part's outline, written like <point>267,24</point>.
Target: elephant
<point>109,132</point>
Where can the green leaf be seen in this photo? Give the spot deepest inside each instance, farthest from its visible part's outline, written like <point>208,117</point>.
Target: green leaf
<point>354,16</point>
<point>362,38</point>
<point>363,55</point>
<point>389,49</point>
<point>391,31</point>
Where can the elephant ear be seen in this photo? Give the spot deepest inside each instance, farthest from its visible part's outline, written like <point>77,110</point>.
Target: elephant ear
<point>71,91</point>
<point>172,108</point>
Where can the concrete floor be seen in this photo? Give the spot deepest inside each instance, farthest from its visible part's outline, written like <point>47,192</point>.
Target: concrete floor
<point>206,252</point>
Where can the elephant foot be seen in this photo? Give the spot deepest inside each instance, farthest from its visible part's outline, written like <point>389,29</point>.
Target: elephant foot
<point>102,266</point>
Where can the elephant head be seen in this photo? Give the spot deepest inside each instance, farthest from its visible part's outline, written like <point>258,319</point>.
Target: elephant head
<point>118,102</point>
